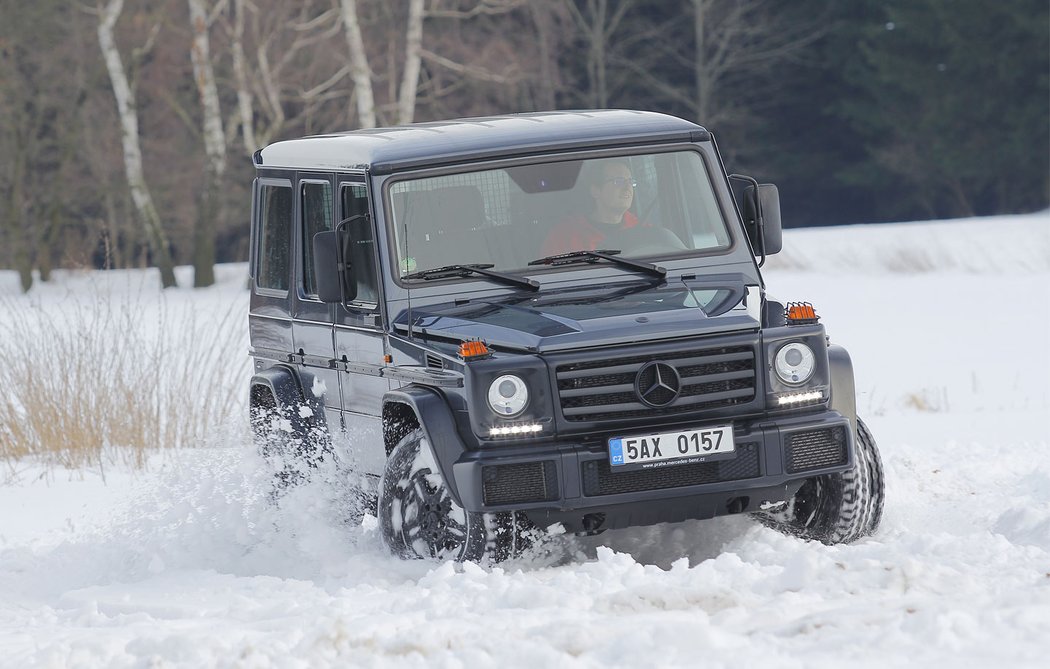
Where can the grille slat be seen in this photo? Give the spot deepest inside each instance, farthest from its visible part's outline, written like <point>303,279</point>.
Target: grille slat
<point>605,390</point>
<point>586,392</point>
<point>725,376</point>
<point>680,402</point>
<point>621,366</point>
<point>598,371</point>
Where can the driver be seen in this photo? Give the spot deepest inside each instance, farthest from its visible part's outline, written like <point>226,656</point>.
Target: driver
<point>611,188</point>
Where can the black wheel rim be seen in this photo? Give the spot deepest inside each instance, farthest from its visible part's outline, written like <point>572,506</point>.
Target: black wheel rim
<point>432,517</point>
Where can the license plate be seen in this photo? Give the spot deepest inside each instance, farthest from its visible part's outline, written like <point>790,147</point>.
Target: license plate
<point>672,448</point>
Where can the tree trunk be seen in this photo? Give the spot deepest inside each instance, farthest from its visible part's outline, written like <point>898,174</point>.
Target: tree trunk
<point>359,70</point>
<point>245,105</point>
<point>598,54</point>
<point>129,126</point>
<point>700,60</point>
<point>541,18</point>
<point>16,215</point>
<point>406,99</point>
<point>209,207</point>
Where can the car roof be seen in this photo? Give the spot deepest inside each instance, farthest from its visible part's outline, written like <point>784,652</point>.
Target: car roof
<point>383,150</point>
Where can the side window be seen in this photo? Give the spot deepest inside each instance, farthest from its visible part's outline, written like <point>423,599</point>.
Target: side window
<point>275,238</point>
<point>317,217</point>
<point>361,243</point>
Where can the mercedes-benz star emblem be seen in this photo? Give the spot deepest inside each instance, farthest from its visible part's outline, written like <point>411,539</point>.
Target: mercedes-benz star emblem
<point>657,384</point>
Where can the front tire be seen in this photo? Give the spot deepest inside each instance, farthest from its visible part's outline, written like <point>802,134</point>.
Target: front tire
<point>838,508</point>
<point>419,519</point>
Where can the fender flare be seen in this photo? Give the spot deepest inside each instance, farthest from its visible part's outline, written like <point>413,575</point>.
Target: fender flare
<point>843,386</point>
<point>289,389</point>
<point>435,419</point>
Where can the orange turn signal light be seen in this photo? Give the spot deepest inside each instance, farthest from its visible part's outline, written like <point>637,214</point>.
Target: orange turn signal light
<point>800,313</point>
<point>474,349</point>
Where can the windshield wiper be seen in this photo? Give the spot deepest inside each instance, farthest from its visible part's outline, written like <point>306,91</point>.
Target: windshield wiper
<point>600,254</point>
<point>476,268</point>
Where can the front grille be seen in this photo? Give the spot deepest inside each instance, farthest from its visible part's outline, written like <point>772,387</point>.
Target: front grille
<point>605,389</point>
<point>599,479</point>
<point>816,449</point>
<point>520,483</point>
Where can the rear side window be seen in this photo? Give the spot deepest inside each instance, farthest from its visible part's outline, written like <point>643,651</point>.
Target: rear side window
<point>275,239</point>
<point>317,217</point>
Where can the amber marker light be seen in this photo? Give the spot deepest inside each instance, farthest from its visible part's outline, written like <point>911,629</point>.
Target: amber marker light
<point>800,313</point>
<point>474,349</point>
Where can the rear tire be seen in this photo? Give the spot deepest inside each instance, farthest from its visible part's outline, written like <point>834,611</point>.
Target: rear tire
<point>284,439</point>
<point>419,519</point>
<point>837,508</point>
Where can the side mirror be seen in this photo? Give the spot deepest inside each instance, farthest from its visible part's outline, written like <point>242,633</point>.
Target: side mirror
<point>330,269</point>
<point>772,231</point>
<point>762,219</point>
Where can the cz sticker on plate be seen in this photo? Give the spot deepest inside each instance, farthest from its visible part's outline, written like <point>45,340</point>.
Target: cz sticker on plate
<point>672,448</point>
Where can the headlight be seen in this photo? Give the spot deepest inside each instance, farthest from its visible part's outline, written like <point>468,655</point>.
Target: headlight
<point>508,395</point>
<point>794,363</point>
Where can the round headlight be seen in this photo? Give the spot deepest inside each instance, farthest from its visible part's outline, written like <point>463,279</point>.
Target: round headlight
<point>794,363</point>
<point>508,395</point>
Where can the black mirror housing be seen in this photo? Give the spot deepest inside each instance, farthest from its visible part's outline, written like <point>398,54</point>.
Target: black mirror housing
<point>327,267</point>
<point>769,205</point>
<point>763,229</point>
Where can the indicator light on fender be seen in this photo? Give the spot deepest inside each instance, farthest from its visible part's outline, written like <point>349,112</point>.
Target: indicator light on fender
<point>474,349</point>
<point>800,313</point>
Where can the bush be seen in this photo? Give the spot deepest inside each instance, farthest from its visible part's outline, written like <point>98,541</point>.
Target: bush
<point>92,376</point>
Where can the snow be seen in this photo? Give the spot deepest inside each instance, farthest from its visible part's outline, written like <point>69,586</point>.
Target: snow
<point>187,564</point>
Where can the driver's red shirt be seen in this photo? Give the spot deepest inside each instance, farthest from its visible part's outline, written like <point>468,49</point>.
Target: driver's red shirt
<point>578,233</point>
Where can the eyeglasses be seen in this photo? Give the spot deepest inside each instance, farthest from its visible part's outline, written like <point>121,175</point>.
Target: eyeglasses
<point>621,182</point>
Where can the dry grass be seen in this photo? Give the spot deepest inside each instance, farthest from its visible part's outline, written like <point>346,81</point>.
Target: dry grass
<point>90,378</point>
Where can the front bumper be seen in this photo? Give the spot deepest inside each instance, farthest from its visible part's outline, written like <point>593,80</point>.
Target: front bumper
<point>573,483</point>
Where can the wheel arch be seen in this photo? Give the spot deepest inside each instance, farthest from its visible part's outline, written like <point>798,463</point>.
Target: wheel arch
<point>414,406</point>
<point>285,387</point>
<point>843,386</point>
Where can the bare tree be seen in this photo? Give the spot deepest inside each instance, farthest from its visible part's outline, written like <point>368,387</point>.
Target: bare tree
<point>740,38</point>
<point>406,99</point>
<point>361,72</point>
<point>209,205</point>
<point>359,69</point>
<point>282,70</point>
<point>129,123</point>
<point>598,24</point>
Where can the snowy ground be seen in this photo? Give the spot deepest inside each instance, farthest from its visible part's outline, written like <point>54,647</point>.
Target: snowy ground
<point>187,565</point>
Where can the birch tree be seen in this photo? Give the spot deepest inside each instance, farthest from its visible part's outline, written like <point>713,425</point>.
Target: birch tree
<point>209,205</point>
<point>127,112</point>
<point>361,72</point>
<point>406,99</point>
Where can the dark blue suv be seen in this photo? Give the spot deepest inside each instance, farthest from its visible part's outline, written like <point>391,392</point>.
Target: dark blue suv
<point>545,318</point>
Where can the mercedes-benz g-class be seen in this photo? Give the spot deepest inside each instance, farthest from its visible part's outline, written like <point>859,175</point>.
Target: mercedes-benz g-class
<point>545,318</point>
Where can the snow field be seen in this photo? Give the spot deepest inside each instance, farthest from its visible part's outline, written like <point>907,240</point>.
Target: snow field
<point>188,564</point>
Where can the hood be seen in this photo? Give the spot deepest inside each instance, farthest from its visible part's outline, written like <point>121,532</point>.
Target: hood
<point>592,316</point>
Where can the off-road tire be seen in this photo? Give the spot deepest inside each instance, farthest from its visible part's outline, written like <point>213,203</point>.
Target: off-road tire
<point>837,508</point>
<point>283,439</point>
<point>419,519</point>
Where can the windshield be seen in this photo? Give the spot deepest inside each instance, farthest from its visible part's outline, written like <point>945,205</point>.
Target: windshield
<point>634,206</point>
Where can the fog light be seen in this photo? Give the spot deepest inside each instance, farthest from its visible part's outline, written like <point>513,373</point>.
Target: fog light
<point>800,398</point>
<point>515,430</point>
